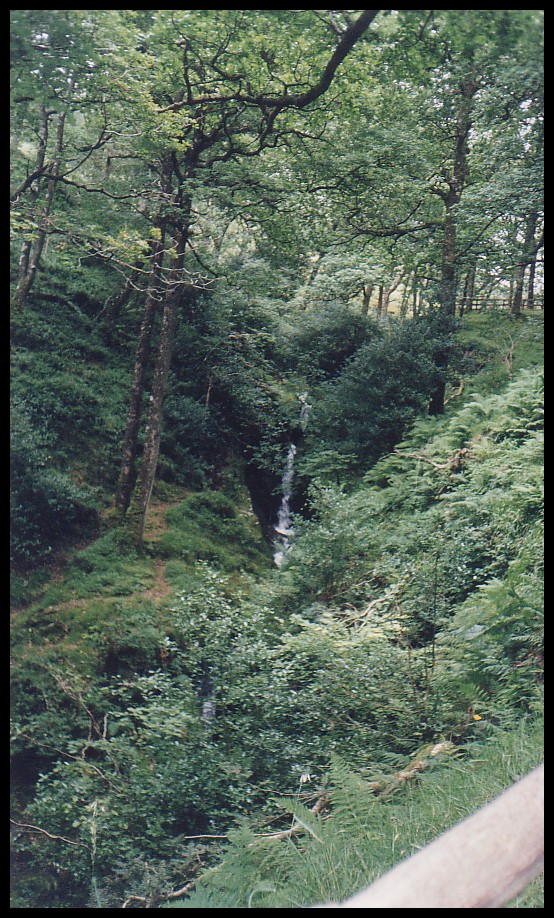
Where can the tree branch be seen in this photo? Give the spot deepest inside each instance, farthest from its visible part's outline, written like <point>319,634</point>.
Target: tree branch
<point>348,39</point>
<point>68,841</point>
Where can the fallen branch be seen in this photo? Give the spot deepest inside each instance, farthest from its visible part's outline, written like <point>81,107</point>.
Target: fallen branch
<point>453,463</point>
<point>319,805</point>
<point>455,394</point>
<point>154,901</point>
<point>359,618</point>
<point>421,458</point>
<point>68,841</point>
<point>421,761</point>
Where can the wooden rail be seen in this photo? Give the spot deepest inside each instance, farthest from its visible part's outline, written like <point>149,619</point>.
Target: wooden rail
<point>482,862</point>
<point>483,303</point>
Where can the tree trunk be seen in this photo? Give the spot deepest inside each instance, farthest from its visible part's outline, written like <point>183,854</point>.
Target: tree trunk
<point>140,500</point>
<point>380,301</point>
<point>367,291</point>
<point>110,312</point>
<point>390,290</point>
<point>527,258</point>
<point>531,285</point>
<point>26,248</point>
<point>32,252</point>
<point>455,180</point>
<point>436,402</point>
<point>405,298</point>
<point>442,329</point>
<point>143,489</point>
<point>127,473</point>
<point>415,306</point>
<point>449,267</point>
<point>447,312</point>
<point>469,287</point>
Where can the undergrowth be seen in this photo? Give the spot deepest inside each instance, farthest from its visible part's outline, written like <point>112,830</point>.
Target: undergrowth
<point>163,700</point>
<point>364,834</point>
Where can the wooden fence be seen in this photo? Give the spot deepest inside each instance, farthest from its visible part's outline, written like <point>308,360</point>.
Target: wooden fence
<point>483,862</point>
<point>483,302</point>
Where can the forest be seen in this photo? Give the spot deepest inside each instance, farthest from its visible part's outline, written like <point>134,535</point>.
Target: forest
<point>276,446</point>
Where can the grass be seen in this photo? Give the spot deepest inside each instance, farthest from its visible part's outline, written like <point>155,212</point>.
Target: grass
<point>363,836</point>
<point>106,605</point>
<point>491,346</point>
<point>211,527</point>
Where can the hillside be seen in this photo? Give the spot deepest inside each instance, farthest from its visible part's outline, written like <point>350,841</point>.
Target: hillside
<point>276,329</point>
<point>407,612</point>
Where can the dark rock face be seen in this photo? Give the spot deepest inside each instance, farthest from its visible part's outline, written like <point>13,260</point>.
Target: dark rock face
<point>264,494</point>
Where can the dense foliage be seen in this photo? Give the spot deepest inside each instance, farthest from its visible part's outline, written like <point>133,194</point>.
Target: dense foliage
<point>234,232</point>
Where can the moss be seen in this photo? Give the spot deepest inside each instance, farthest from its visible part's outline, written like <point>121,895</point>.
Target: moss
<point>209,526</point>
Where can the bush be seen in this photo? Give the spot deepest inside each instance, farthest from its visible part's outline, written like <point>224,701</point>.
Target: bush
<point>382,388</point>
<point>193,441</point>
<point>47,508</point>
<point>319,345</point>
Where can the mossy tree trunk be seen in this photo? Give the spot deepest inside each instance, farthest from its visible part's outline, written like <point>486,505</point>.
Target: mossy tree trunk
<point>127,472</point>
<point>450,192</point>
<point>140,499</point>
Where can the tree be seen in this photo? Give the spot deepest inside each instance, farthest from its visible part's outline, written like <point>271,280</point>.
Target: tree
<point>53,80</point>
<point>363,412</point>
<point>222,111</point>
<point>431,157</point>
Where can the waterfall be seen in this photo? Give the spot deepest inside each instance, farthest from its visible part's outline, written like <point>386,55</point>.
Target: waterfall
<point>284,528</point>
<point>207,696</point>
<point>208,710</point>
<point>284,519</point>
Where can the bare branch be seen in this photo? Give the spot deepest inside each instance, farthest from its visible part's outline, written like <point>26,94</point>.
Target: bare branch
<point>68,841</point>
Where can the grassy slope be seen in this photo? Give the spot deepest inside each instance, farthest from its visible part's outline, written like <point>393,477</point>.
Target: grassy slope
<point>340,853</point>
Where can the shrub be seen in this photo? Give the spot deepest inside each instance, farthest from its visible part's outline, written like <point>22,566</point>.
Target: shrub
<point>381,390</point>
<point>320,344</point>
<point>191,445</point>
<point>47,508</point>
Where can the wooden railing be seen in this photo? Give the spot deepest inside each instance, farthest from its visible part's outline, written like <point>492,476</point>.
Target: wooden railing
<point>483,862</point>
<point>483,302</point>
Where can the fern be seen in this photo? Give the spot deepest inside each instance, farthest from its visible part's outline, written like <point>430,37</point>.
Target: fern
<point>365,834</point>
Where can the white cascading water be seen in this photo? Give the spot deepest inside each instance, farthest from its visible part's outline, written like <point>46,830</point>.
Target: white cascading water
<point>284,519</point>
<point>284,528</point>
